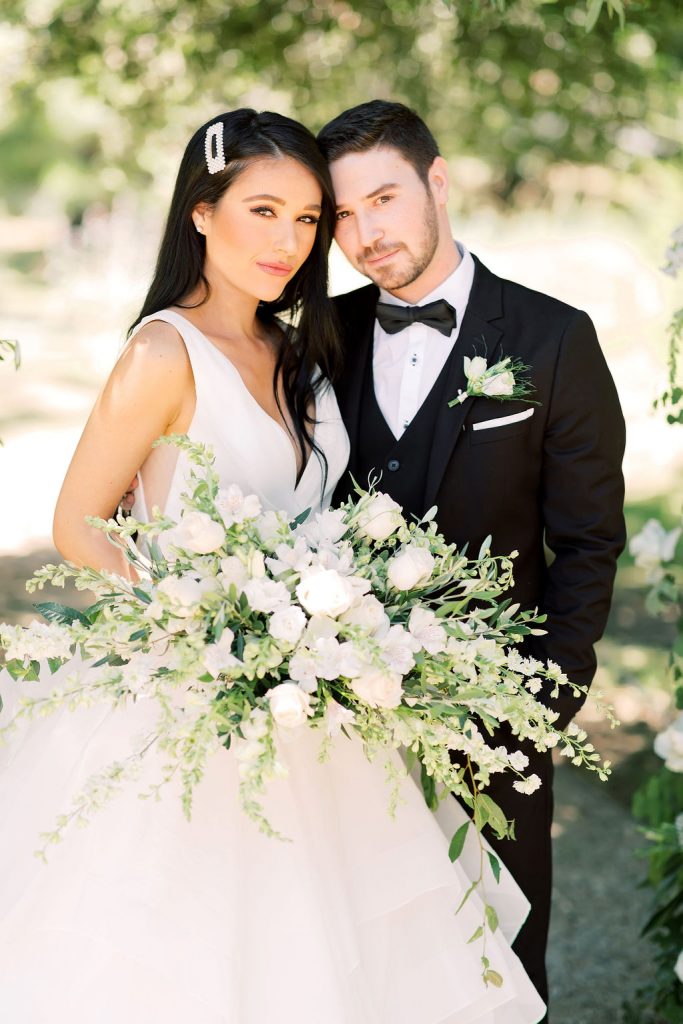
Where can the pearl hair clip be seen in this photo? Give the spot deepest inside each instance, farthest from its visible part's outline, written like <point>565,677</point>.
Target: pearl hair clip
<point>214,163</point>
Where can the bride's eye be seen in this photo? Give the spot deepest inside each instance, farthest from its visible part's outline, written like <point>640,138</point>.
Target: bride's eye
<point>308,219</point>
<point>263,211</point>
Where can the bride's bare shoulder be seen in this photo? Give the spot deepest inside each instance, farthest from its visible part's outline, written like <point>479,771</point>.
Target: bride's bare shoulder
<point>157,342</point>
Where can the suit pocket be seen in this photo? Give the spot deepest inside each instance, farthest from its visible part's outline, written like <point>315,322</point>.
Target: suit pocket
<point>500,428</point>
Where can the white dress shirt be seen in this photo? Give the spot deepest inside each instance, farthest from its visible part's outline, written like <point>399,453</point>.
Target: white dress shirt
<point>405,365</point>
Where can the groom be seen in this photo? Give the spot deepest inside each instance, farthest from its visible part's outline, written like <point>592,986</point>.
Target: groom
<point>531,476</point>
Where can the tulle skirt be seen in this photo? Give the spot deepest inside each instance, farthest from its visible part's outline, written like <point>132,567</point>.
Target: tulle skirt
<point>145,918</point>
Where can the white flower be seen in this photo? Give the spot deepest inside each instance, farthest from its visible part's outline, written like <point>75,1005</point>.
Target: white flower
<point>218,657</point>
<point>369,613</point>
<point>290,706</point>
<point>326,527</point>
<point>266,595</point>
<point>518,760</point>
<point>268,525</point>
<point>427,629</point>
<point>534,685</point>
<point>234,507</point>
<point>475,367</point>
<point>256,726</point>
<point>398,648</point>
<point>411,567</point>
<point>528,785</point>
<point>302,669</point>
<point>320,626</point>
<point>498,385</point>
<point>336,717</point>
<point>256,564</point>
<point>35,641</point>
<point>325,592</point>
<point>233,570</point>
<point>140,670</point>
<point>379,689</point>
<point>296,557</point>
<point>196,532</point>
<point>183,593</point>
<point>287,624</point>
<point>380,518</point>
<point>678,967</point>
<point>652,546</point>
<point>669,745</point>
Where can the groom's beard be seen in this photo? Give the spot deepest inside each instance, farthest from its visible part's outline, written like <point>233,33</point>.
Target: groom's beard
<point>417,258</point>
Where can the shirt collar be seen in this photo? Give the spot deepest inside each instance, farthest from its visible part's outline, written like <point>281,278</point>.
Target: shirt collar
<point>455,289</point>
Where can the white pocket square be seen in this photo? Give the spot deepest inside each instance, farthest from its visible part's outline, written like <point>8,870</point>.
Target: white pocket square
<point>502,421</point>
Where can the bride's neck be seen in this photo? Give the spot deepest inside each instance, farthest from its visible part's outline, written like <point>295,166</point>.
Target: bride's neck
<point>227,310</point>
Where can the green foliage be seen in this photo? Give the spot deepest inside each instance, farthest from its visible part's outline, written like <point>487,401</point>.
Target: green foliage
<point>519,85</point>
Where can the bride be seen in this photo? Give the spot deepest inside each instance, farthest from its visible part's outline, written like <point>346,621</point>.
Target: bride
<point>143,917</point>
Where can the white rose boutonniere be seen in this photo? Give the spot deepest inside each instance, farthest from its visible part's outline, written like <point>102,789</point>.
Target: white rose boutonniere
<point>504,380</point>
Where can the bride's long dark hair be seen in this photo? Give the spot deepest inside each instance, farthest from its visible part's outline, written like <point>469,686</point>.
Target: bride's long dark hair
<point>180,264</point>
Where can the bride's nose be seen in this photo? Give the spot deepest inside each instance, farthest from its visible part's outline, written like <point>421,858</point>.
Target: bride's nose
<point>286,239</point>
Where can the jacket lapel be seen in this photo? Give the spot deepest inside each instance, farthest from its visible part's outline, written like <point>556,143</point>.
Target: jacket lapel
<point>478,336</point>
<point>358,326</point>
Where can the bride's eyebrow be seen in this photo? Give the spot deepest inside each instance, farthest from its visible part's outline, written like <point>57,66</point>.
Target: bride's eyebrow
<point>281,202</point>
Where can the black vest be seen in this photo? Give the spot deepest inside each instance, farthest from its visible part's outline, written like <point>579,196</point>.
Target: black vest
<point>403,463</point>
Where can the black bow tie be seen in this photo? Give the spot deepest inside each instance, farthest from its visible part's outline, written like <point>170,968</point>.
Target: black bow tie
<point>440,315</point>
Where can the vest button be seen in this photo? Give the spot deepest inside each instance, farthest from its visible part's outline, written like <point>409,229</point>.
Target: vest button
<point>393,465</point>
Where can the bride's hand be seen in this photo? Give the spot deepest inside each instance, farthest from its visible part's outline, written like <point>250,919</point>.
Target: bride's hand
<point>128,499</point>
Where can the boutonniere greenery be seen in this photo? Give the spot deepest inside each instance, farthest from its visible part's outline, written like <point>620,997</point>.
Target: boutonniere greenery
<point>504,380</point>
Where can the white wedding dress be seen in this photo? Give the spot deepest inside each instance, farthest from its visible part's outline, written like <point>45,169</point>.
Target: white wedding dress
<point>144,918</point>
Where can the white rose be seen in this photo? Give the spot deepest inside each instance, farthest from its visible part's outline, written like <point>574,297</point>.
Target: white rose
<point>499,385</point>
<point>381,517</point>
<point>678,967</point>
<point>669,745</point>
<point>427,630</point>
<point>184,593</point>
<point>369,613</point>
<point>290,706</point>
<point>287,624</point>
<point>266,595</point>
<point>196,532</point>
<point>410,568</point>
<point>474,368</point>
<point>379,689</point>
<point>233,570</point>
<point>234,507</point>
<point>325,592</point>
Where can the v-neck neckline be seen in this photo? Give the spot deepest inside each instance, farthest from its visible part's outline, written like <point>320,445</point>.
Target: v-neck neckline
<point>278,426</point>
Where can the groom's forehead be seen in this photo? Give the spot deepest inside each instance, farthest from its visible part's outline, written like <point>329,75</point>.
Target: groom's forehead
<point>360,175</point>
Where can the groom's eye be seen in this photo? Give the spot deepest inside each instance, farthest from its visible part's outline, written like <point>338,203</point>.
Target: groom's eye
<point>342,214</point>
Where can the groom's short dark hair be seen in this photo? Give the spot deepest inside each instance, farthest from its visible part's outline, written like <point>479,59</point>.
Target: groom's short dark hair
<point>380,123</point>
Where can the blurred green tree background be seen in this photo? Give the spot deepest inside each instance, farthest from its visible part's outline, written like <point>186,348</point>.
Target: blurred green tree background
<point>97,96</point>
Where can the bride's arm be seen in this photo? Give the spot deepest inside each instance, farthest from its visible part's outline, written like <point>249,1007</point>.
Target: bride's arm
<point>150,392</point>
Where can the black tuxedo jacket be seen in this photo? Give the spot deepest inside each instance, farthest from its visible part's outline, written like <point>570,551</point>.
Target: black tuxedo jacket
<point>549,486</point>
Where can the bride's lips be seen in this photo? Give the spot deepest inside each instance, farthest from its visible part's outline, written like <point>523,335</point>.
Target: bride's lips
<point>279,269</point>
<point>380,259</point>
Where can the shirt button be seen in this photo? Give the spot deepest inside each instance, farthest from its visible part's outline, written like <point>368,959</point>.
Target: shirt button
<point>393,465</point>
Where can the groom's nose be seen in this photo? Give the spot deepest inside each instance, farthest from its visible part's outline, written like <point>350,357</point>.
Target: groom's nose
<point>368,230</point>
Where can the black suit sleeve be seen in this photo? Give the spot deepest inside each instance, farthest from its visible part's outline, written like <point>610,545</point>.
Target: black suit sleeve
<point>582,494</point>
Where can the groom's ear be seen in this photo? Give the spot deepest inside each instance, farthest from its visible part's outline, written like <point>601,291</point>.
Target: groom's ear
<point>437,176</point>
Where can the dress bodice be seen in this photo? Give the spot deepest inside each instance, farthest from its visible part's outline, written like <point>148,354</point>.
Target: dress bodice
<point>250,448</point>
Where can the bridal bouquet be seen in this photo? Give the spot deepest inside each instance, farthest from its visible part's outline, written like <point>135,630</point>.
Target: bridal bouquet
<point>243,625</point>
